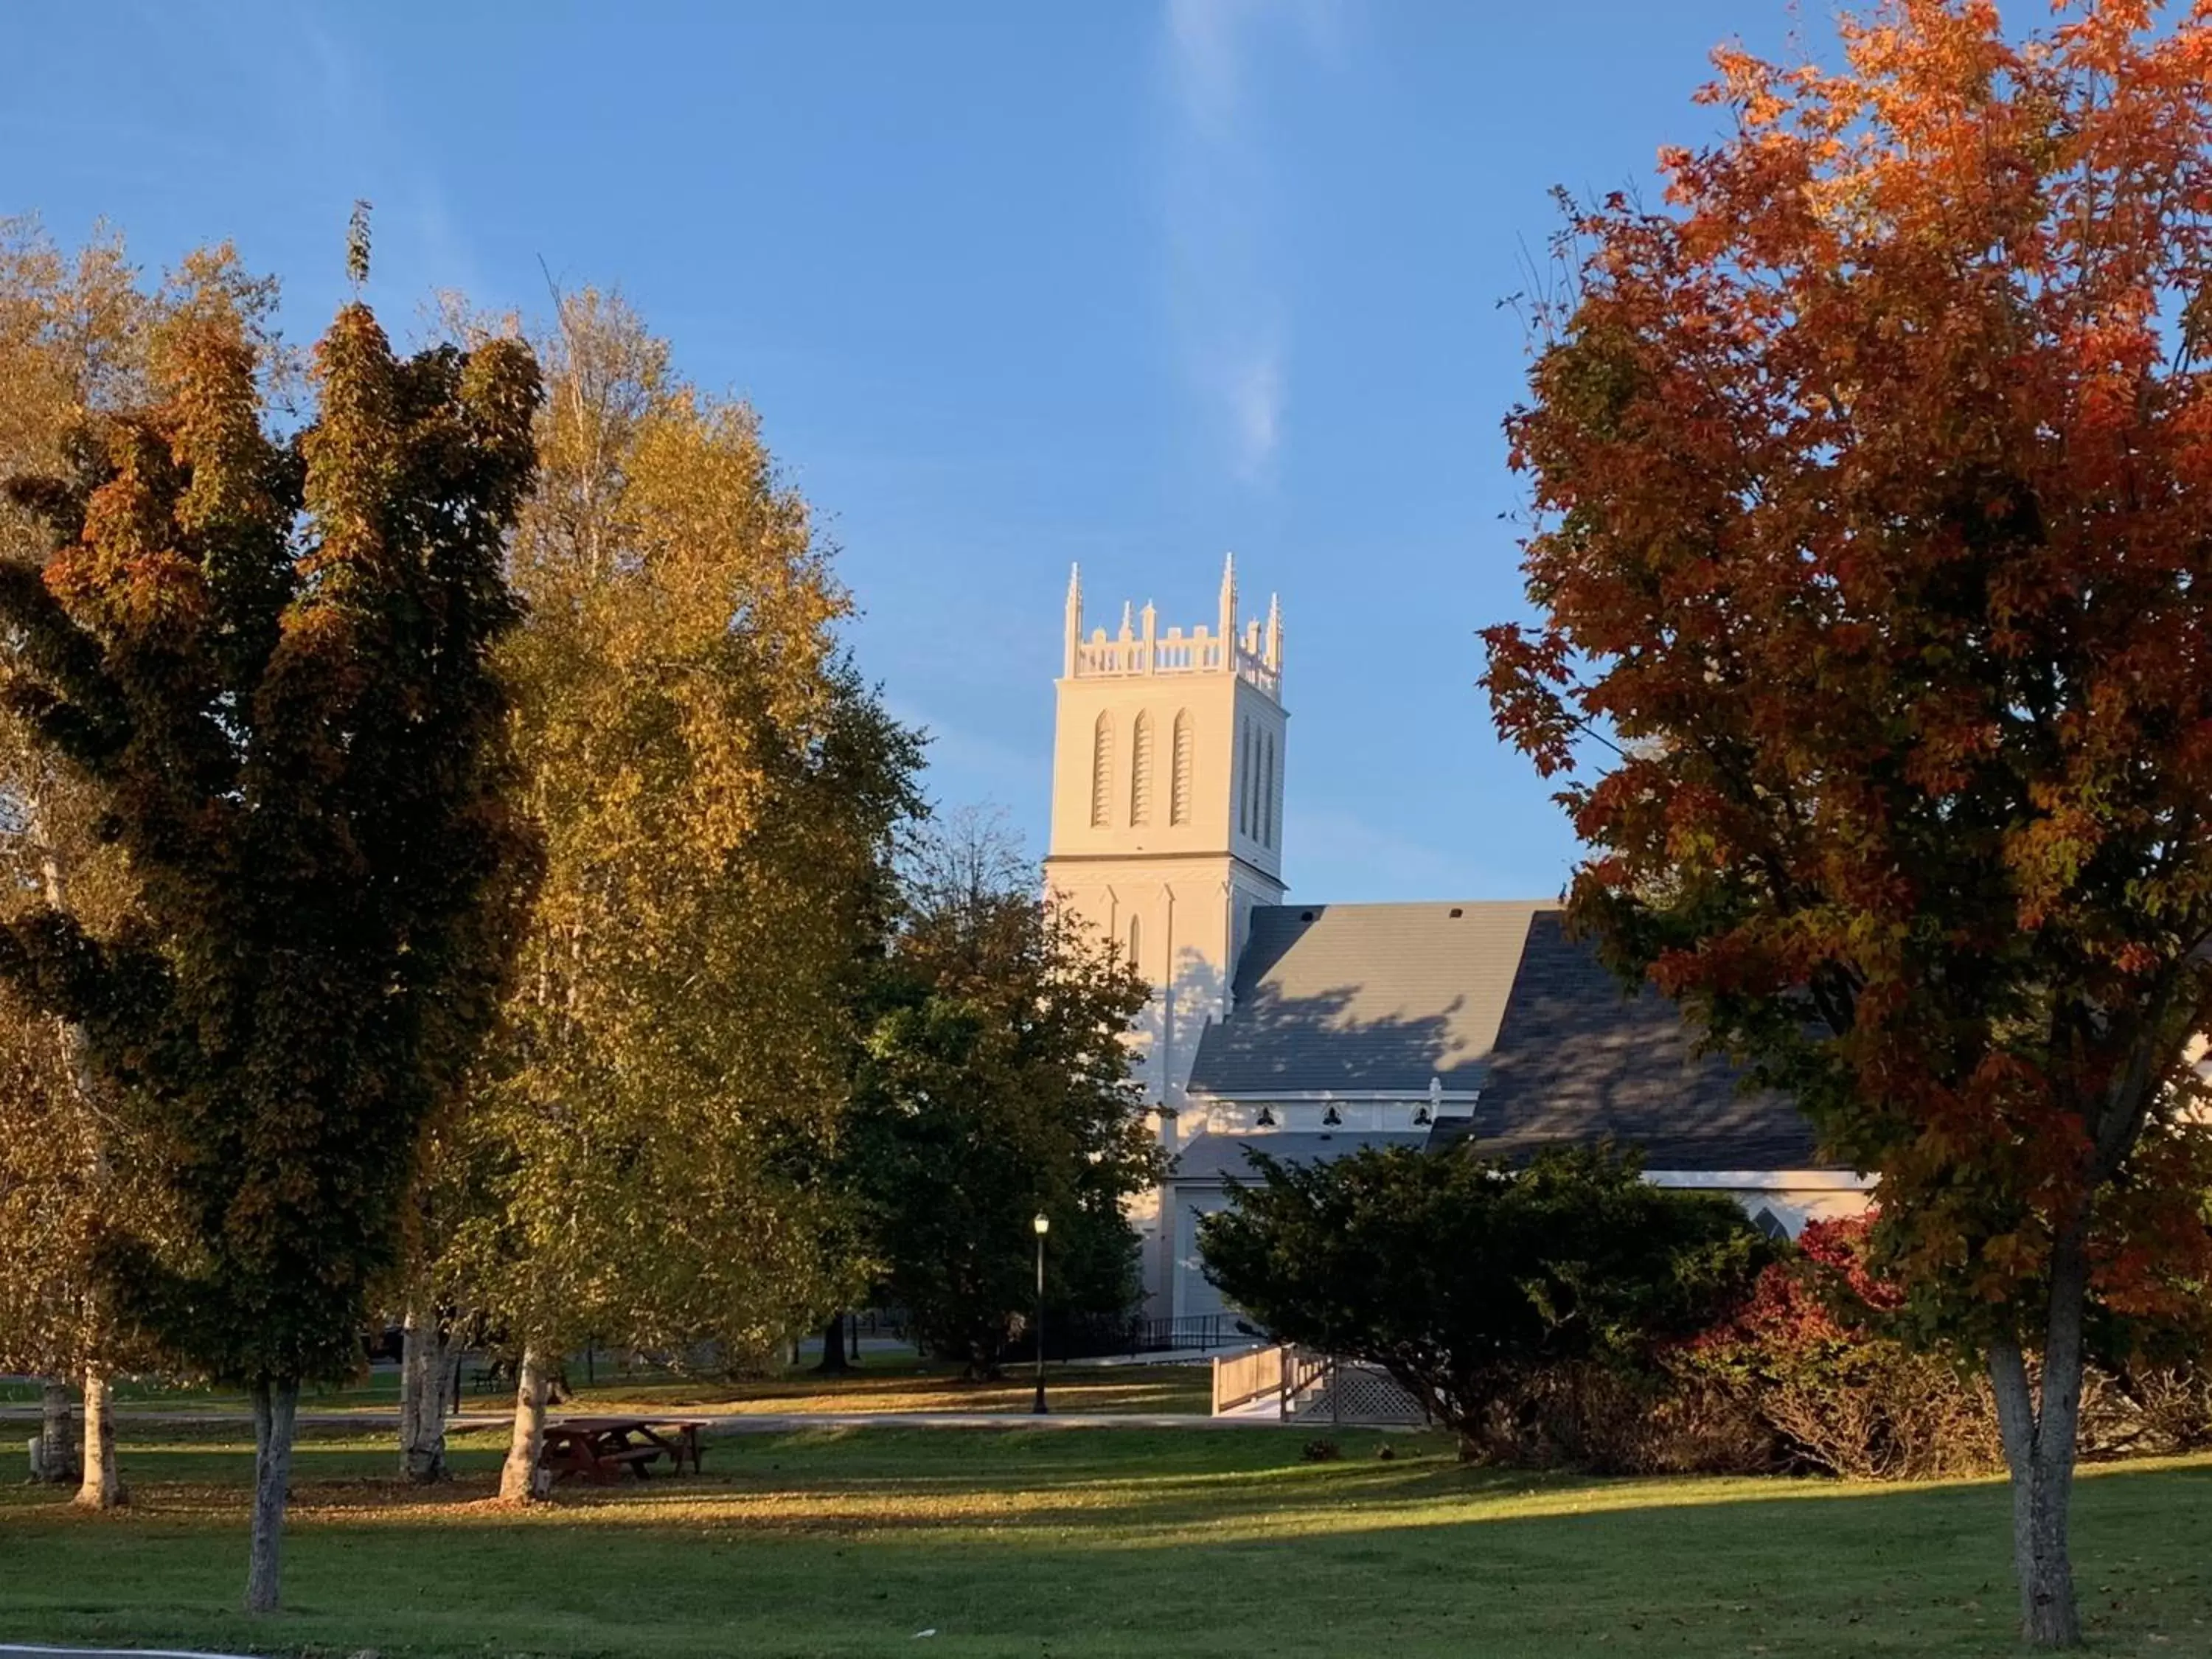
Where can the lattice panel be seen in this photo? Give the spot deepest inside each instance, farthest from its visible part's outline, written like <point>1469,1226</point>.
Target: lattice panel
<point>1358,1396</point>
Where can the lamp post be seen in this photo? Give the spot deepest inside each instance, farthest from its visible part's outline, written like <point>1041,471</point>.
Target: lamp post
<point>1043,1225</point>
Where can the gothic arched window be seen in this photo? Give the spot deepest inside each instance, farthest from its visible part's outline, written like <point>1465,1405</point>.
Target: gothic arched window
<point>1244,784</point>
<point>1140,771</point>
<point>1136,945</point>
<point>1102,772</point>
<point>1179,776</point>
<point>1267,794</point>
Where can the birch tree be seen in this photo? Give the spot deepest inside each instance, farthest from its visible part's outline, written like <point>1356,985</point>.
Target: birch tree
<point>74,333</point>
<point>715,788</point>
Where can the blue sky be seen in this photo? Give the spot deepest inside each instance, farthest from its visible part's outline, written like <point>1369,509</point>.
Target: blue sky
<point>1132,283</point>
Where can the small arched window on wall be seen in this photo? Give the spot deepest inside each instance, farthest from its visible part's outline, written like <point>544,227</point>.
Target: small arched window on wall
<point>1179,779</point>
<point>1136,945</point>
<point>1140,771</point>
<point>1102,773</point>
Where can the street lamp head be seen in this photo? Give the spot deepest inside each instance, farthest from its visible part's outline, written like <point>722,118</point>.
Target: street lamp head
<point>1043,1223</point>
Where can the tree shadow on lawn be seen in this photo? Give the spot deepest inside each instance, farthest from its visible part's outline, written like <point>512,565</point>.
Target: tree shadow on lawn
<point>788,1548</point>
<point>834,1479</point>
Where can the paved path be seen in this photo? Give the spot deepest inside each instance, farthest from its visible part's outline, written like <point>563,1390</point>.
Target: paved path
<point>722,1423</point>
<point>7,1647</point>
<point>236,1419</point>
<point>786,1422</point>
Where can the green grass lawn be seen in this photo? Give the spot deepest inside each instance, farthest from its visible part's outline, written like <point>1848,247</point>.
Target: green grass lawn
<point>1071,1543</point>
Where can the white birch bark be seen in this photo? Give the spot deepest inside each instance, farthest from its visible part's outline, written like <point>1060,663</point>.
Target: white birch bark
<point>410,1367</point>
<point>423,1369</point>
<point>101,1487</point>
<point>518,1479</point>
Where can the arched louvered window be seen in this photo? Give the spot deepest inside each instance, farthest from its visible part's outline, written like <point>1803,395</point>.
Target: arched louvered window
<point>1267,792</point>
<point>1244,783</point>
<point>1136,945</point>
<point>1102,772</point>
<point>1140,771</point>
<point>1179,779</point>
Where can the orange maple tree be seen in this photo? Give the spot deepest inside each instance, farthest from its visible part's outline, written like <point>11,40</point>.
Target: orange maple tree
<point>1872,474</point>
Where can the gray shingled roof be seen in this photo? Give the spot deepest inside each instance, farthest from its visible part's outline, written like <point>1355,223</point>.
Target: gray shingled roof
<point>1210,1157</point>
<point>1576,1059</point>
<point>1353,997</point>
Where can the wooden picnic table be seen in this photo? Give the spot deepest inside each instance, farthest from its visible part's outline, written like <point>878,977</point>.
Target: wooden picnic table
<point>601,1449</point>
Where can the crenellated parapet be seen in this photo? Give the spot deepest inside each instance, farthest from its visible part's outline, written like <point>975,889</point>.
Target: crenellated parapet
<point>1255,655</point>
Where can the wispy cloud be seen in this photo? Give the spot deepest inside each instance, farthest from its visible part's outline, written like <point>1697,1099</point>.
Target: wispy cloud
<point>364,149</point>
<point>1348,841</point>
<point>1230,313</point>
<point>969,765</point>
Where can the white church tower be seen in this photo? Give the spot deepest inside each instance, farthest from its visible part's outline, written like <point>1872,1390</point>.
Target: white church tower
<point>1167,809</point>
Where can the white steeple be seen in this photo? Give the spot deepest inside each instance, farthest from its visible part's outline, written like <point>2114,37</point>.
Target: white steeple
<point>1167,800</point>
<point>1167,788</point>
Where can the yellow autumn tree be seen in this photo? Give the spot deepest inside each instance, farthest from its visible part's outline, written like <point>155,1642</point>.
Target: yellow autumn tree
<point>716,789</point>
<point>77,332</point>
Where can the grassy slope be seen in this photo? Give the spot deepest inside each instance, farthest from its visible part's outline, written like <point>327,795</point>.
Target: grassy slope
<point>1074,1543</point>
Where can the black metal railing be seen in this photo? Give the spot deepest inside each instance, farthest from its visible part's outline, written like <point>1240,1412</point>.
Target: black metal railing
<point>1192,1334</point>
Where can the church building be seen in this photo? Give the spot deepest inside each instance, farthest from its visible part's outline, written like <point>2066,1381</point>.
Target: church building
<point>1309,1029</point>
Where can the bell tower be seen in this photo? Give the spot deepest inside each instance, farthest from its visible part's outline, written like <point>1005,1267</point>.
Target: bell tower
<point>1167,808</point>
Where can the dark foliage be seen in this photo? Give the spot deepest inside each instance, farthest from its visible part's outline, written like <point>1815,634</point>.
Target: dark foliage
<point>1465,1279</point>
<point>993,1087</point>
<point>271,660</point>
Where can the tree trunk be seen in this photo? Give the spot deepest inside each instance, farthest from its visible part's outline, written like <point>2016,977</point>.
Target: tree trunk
<point>834,1363</point>
<point>57,1463</point>
<point>275,1408</point>
<point>423,1371</point>
<point>101,1488</point>
<point>2041,1431</point>
<point>518,1479</point>
<point>410,1405</point>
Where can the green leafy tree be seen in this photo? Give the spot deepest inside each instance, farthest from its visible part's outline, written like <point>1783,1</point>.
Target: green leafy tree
<point>271,660</point>
<point>1464,1279</point>
<point>994,1086</point>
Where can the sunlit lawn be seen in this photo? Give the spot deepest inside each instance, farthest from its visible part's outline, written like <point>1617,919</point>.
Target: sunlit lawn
<point>1088,1542</point>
